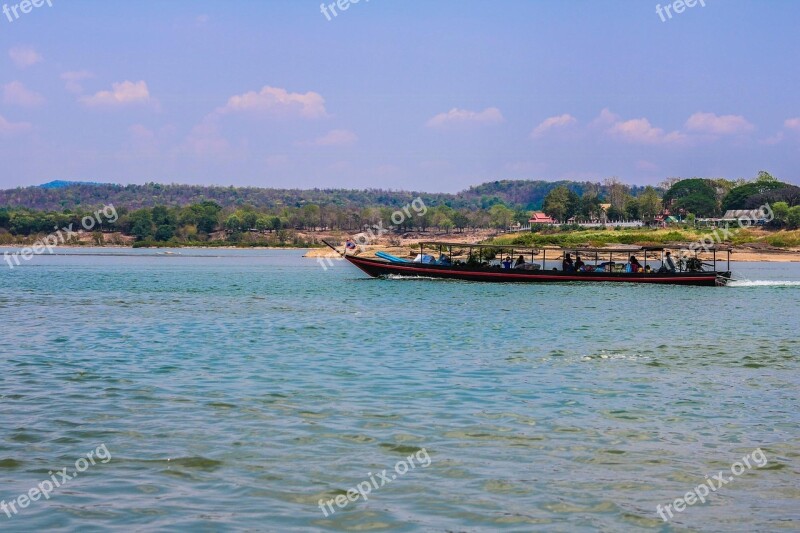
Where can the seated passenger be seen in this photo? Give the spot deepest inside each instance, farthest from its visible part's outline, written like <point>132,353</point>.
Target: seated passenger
<point>507,262</point>
<point>633,265</point>
<point>566,264</point>
<point>579,264</point>
<point>647,269</point>
<point>520,262</point>
<point>444,260</point>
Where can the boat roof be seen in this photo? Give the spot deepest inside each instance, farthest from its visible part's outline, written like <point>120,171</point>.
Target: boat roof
<point>586,249</point>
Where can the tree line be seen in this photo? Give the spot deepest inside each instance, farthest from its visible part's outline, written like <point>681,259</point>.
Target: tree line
<point>686,198</point>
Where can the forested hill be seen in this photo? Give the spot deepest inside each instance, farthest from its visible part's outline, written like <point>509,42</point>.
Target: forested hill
<point>522,194</point>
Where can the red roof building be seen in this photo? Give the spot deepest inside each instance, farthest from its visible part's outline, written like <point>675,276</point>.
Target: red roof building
<point>540,218</point>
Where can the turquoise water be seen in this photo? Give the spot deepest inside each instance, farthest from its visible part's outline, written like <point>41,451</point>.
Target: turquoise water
<point>234,390</point>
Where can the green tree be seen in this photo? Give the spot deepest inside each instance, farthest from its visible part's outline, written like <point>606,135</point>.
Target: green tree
<point>233,224</point>
<point>164,233</point>
<point>694,195</point>
<point>249,220</point>
<point>460,220</point>
<point>793,219</point>
<point>780,210</point>
<point>632,209</point>
<point>589,206</point>
<point>5,218</point>
<point>561,203</point>
<point>501,216</point>
<point>263,223</point>
<point>649,203</point>
<point>765,177</point>
<point>141,223</point>
<point>738,197</point>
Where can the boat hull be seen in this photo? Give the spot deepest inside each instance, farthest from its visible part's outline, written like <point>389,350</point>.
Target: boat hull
<point>377,268</point>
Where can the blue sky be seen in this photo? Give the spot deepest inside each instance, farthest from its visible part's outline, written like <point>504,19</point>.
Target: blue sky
<point>426,95</point>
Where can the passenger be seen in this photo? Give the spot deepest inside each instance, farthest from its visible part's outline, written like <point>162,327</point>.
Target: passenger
<point>567,265</point>
<point>507,262</point>
<point>634,265</point>
<point>520,262</point>
<point>648,270</point>
<point>444,260</point>
<point>579,264</point>
<point>669,263</point>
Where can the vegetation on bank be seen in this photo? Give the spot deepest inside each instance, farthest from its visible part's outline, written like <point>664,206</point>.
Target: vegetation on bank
<point>576,236</point>
<point>271,221</point>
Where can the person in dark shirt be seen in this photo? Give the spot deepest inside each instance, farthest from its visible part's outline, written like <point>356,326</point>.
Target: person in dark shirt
<point>579,263</point>
<point>567,265</point>
<point>669,263</point>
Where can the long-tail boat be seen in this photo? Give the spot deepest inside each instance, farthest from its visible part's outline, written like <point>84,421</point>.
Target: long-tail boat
<point>478,262</point>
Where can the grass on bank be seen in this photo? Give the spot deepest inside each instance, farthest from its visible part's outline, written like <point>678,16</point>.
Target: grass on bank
<point>644,237</point>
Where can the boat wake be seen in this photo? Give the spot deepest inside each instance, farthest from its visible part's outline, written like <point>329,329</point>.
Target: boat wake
<point>762,283</point>
<point>412,278</point>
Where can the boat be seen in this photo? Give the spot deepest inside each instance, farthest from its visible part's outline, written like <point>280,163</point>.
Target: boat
<point>478,262</point>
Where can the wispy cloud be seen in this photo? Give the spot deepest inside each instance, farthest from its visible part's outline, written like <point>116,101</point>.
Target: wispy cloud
<point>558,122</point>
<point>121,94</point>
<point>15,93</point>
<point>24,56</point>
<point>74,78</point>
<point>274,101</point>
<point>490,115</point>
<point>336,138</point>
<point>792,124</point>
<point>712,124</point>
<point>8,128</point>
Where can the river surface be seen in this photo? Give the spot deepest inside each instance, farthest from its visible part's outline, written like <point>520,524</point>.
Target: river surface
<point>227,390</point>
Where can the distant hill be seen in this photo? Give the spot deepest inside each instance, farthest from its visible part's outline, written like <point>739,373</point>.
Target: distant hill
<point>61,195</point>
<point>60,184</point>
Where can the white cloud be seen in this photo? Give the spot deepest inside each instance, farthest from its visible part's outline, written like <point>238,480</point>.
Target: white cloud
<point>24,56</point>
<point>490,115</point>
<point>15,93</point>
<point>712,124</point>
<point>640,131</point>
<point>74,78</point>
<point>336,138</point>
<point>792,124</point>
<point>561,121</point>
<point>277,102</point>
<point>11,128</point>
<point>605,120</point>
<point>124,93</point>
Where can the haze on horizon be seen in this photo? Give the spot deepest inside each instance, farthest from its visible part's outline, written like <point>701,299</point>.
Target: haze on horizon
<point>433,96</point>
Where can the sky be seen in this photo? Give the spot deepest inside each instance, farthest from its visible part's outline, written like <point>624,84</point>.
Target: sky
<point>414,94</point>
